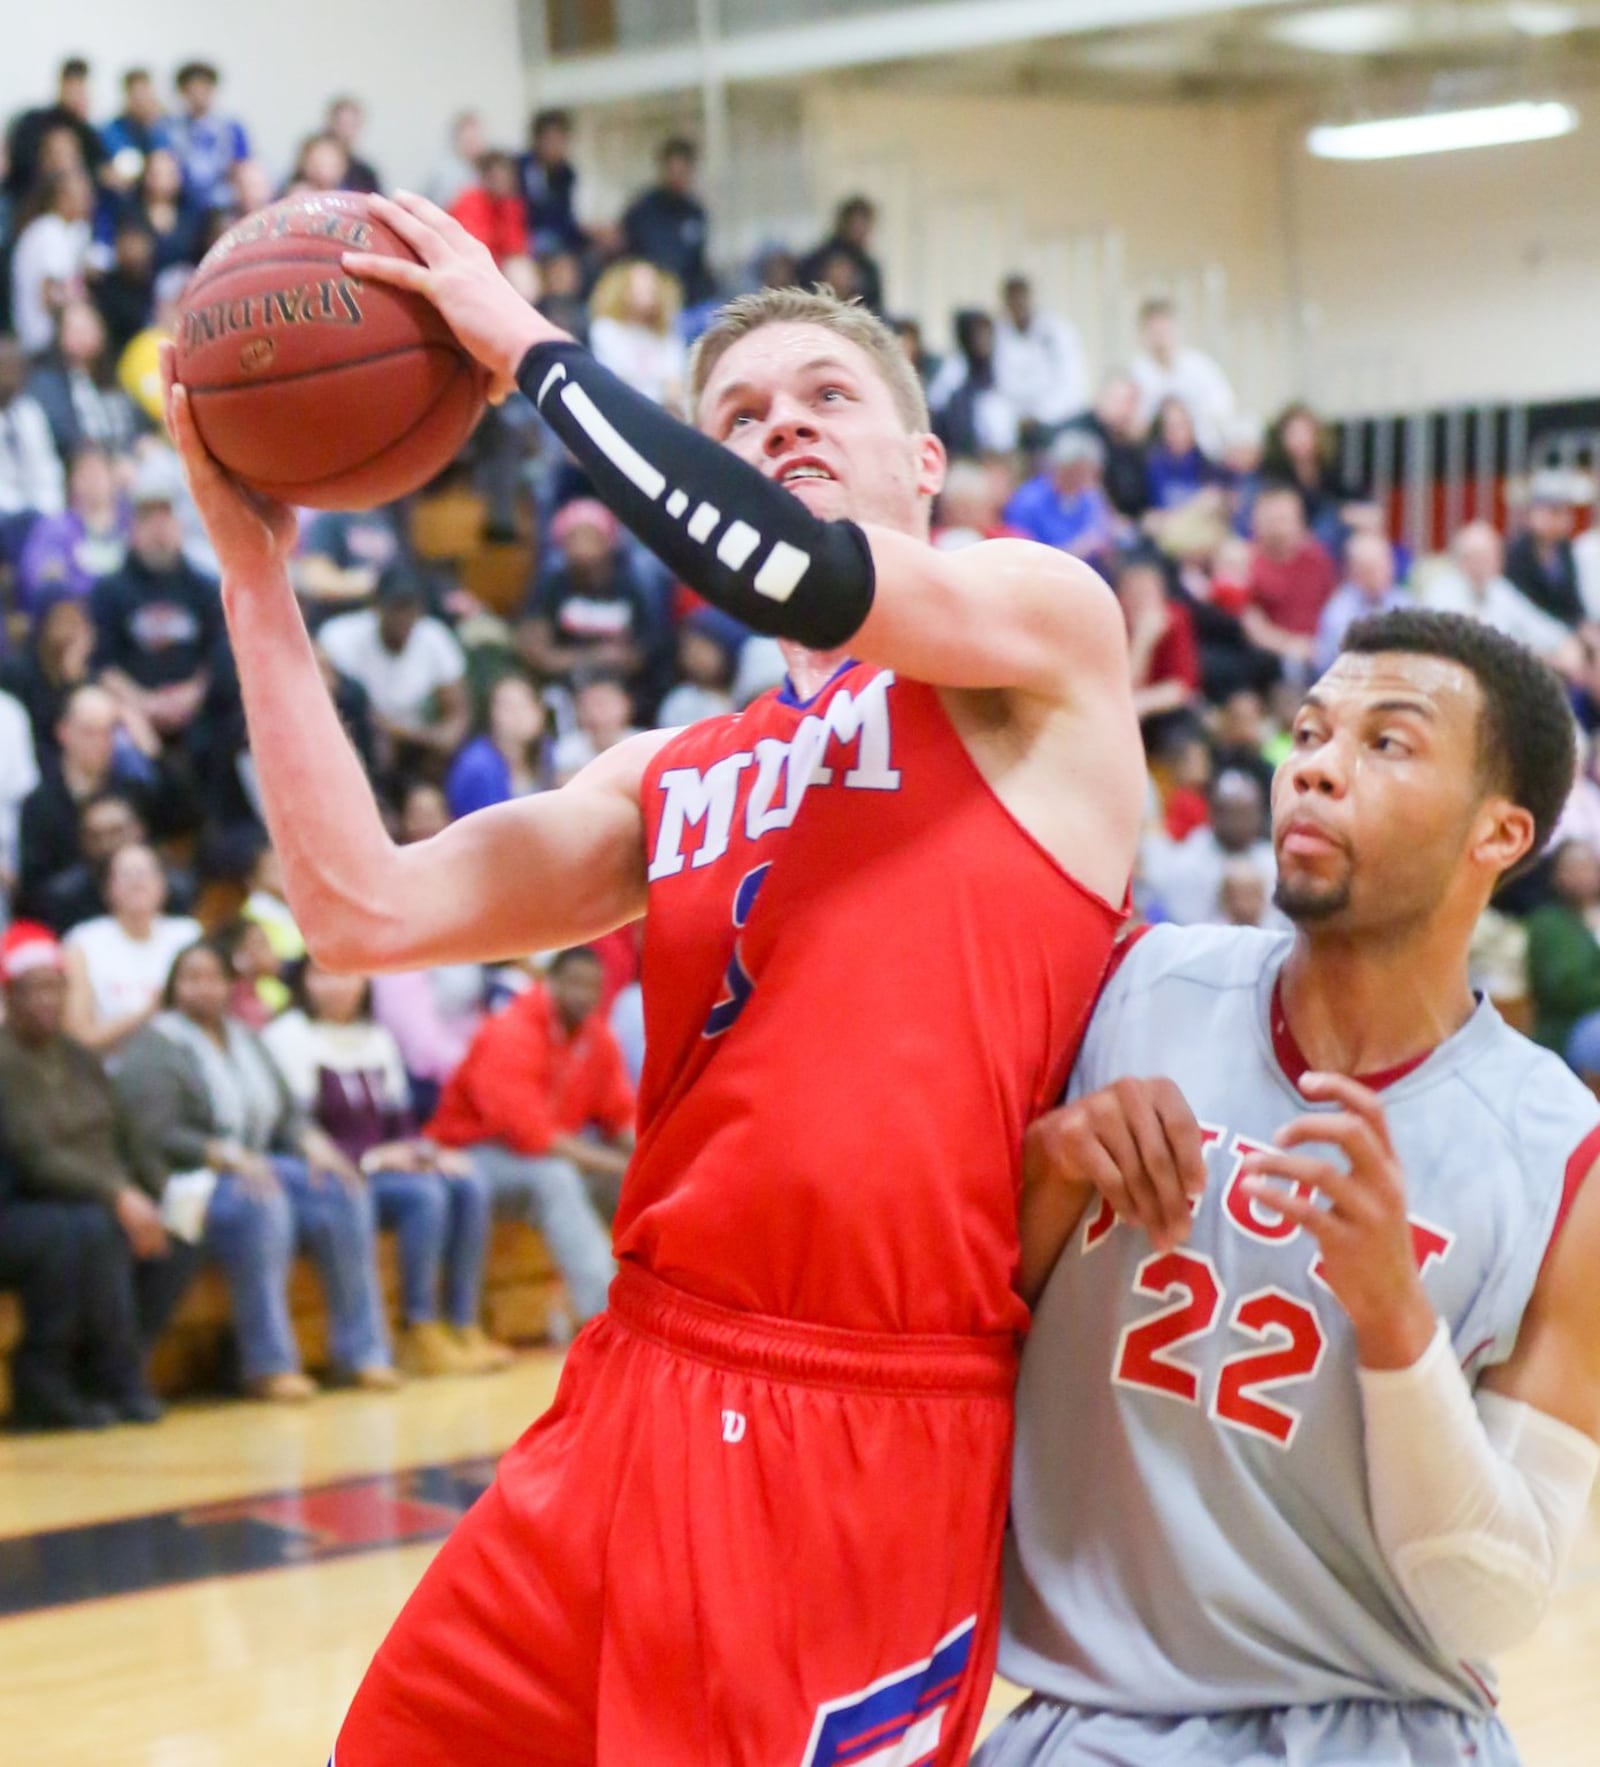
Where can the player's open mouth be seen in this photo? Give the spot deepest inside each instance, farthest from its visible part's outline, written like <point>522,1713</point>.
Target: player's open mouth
<point>797,472</point>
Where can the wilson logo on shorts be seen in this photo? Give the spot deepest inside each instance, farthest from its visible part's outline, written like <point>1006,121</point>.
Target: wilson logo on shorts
<point>898,1720</point>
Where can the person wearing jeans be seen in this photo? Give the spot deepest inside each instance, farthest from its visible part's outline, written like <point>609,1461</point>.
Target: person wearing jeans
<point>346,1072</point>
<point>543,1106</point>
<point>206,1093</point>
<point>87,1202</point>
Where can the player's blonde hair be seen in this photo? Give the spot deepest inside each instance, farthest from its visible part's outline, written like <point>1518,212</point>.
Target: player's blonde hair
<point>821,307</point>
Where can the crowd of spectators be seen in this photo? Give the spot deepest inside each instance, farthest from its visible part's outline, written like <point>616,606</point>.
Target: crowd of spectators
<point>179,1082</point>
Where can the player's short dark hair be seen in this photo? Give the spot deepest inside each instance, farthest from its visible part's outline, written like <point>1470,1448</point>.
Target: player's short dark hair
<point>1526,745</point>
<point>133,76</point>
<point>551,118</point>
<point>1156,307</point>
<point>196,70</point>
<point>573,954</point>
<point>74,68</point>
<point>677,147</point>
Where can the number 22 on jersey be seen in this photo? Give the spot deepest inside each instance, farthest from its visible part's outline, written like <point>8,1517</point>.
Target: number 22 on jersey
<point>1288,1337</point>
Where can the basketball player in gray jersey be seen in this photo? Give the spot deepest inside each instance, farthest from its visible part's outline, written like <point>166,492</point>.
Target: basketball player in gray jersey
<point>1307,1419</point>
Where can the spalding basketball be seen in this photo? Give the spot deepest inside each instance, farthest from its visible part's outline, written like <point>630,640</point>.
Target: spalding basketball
<point>313,386</point>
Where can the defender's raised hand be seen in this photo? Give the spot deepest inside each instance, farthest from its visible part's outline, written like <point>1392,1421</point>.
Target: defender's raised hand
<point>1356,1213</point>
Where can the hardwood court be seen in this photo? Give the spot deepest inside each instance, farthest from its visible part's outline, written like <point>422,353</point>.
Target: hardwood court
<point>255,1669</point>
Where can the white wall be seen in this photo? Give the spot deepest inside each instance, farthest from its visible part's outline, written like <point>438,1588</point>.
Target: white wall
<point>414,63</point>
<point>1100,203</point>
<point>1456,279</point>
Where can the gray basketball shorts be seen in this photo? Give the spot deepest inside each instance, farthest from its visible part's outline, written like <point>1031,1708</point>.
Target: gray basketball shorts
<point>1344,1733</point>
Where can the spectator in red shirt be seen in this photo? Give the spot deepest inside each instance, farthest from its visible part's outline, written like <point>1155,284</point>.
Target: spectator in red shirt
<point>540,1079</point>
<point>1291,578</point>
<point>1162,651</point>
<point>493,210</point>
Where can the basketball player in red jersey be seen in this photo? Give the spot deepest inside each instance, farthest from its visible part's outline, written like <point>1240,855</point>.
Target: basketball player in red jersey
<point>761,1522</point>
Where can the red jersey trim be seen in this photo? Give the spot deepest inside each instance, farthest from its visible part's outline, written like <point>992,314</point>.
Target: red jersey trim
<point>1579,1166</point>
<point>1291,1058</point>
<point>1093,896</point>
<point>1120,953</point>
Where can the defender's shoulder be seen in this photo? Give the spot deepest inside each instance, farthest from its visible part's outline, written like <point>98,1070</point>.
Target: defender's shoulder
<point>1219,958</point>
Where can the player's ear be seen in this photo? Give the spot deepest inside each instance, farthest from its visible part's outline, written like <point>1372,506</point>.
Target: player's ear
<point>1504,835</point>
<point>932,464</point>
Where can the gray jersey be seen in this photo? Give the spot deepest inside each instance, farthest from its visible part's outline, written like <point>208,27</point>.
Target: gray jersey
<point>1190,1522</point>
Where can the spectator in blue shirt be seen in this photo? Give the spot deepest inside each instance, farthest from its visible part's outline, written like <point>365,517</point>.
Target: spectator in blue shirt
<point>1369,587</point>
<point>509,757</point>
<point>207,145</point>
<point>133,136</point>
<point>1066,505</point>
<point>1176,469</point>
<point>68,554</point>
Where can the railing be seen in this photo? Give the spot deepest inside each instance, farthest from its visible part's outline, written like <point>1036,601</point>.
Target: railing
<point>1434,470</point>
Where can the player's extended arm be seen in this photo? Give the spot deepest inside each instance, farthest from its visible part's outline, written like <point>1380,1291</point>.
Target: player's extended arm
<point>525,876</point>
<point>1006,614</point>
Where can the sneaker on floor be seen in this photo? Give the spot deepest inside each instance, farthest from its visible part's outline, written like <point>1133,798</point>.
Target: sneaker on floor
<point>288,1388</point>
<point>428,1348</point>
<point>141,1408</point>
<point>64,1413</point>
<point>378,1378</point>
<point>482,1354</point>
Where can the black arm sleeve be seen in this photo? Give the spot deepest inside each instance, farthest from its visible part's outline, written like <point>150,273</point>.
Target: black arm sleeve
<point>745,544</point>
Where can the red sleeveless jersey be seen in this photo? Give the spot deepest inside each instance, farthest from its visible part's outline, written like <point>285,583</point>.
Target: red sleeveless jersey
<point>862,979</point>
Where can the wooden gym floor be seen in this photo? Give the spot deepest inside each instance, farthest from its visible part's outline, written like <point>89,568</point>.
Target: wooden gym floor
<point>203,1661</point>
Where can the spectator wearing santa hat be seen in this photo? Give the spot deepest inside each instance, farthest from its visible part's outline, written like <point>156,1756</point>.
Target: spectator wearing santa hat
<point>70,1153</point>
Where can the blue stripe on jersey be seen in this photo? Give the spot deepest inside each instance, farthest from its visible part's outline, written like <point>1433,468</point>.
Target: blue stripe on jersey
<point>856,1727</point>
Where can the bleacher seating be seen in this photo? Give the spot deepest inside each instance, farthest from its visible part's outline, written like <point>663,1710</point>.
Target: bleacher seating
<point>521,1292</point>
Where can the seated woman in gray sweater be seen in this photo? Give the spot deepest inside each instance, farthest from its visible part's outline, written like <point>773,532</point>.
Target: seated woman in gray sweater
<point>204,1090</point>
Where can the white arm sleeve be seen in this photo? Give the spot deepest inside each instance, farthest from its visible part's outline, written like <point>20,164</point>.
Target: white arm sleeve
<point>1476,1504</point>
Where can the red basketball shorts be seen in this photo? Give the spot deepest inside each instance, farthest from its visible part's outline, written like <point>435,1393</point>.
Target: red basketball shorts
<point>732,1542</point>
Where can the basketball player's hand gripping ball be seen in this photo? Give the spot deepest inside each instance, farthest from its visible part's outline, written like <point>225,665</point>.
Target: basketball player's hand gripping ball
<point>459,275</point>
<point>1357,1214</point>
<point>251,533</point>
